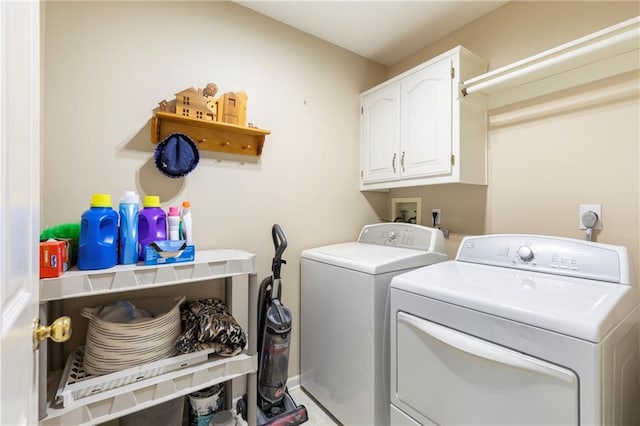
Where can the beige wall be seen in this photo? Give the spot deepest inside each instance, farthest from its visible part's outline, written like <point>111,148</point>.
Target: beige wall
<point>549,155</point>
<point>523,28</point>
<point>107,65</point>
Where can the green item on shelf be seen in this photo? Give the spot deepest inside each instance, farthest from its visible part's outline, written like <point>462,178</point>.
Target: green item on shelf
<point>65,230</point>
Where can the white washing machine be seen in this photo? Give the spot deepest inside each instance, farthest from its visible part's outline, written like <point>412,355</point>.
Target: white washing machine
<point>345,316</point>
<point>517,330</point>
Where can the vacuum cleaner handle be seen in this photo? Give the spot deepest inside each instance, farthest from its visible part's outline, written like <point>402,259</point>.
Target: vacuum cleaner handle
<point>280,244</point>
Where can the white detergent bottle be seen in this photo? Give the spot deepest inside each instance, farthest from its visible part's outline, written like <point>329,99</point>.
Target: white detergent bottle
<point>187,223</point>
<point>174,223</point>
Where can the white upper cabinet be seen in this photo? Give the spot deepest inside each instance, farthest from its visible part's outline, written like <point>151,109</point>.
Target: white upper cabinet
<point>381,129</point>
<point>415,130</point>
<point>425,122</point>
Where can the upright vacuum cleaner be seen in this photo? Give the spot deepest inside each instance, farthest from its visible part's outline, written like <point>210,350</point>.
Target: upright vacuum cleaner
<point>275,405</point>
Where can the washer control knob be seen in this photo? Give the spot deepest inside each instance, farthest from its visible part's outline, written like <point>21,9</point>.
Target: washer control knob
<point>393,235</point>
<point>526,253</point>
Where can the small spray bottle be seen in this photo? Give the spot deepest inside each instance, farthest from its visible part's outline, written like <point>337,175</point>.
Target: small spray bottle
<point>187,222</point>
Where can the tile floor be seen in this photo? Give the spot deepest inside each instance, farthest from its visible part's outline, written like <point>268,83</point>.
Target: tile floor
<point>317,416</point>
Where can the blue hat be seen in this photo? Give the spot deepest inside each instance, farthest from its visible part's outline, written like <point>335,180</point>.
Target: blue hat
<point>177,155</point>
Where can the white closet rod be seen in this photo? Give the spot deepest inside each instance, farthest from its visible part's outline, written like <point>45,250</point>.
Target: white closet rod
<point>560,58</point>
<point>612,93</point>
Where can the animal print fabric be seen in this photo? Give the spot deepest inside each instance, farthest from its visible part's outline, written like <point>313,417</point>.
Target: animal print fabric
<point>207,323</point>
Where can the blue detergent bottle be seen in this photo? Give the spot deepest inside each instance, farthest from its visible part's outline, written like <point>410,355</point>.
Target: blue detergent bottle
<point>152,223</point>
<point>128,242</point>
<point>98,246</point>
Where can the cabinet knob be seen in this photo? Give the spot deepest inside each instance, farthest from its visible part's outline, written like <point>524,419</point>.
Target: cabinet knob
<point>59,331</point>
<point>393,162</point>
<point>402,161</point>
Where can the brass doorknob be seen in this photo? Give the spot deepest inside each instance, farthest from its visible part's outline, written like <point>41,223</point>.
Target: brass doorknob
<point>59,331</point>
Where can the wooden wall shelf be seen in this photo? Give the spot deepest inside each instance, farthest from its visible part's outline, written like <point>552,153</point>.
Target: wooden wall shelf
<point>210,135</point>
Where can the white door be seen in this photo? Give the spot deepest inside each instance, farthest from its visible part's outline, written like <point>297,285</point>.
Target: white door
<point>19,208</point>
<point>425,124</point>
<point>380,127</point>
<point>447,377</point>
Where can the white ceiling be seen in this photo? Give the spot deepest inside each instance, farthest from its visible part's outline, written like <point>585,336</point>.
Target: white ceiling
<point>383,31</point>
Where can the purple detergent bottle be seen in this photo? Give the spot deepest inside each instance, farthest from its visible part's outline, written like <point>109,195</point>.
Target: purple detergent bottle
<point>152,223</point>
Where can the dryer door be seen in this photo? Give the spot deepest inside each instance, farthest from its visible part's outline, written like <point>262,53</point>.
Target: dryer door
<point>448,377</point>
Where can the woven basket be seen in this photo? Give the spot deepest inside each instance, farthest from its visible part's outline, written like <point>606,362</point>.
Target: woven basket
<point>112,347</point>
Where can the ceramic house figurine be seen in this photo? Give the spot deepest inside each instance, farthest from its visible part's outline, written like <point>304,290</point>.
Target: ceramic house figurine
<point>232,108</point>
<point>195,104</point>
<point>202,104</point>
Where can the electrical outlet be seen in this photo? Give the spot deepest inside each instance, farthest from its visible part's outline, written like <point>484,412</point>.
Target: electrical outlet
<point>596,208</point>
<point>438,214</point>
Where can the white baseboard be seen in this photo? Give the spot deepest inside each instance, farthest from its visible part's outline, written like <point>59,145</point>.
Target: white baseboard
<point>293,382</point>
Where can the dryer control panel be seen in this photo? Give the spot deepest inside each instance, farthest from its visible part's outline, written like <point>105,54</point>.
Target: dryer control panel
<point>555,255</point>
<point>403,235</point>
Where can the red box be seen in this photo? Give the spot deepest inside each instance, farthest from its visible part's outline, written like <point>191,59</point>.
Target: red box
<point>54,257</point>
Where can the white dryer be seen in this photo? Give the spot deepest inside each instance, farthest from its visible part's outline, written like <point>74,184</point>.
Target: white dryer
<point>345,316</point>
<point>517,330</point>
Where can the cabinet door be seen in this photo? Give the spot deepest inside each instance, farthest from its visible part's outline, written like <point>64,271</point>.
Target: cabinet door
<point>426,121</point>
<point>380,138</point>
